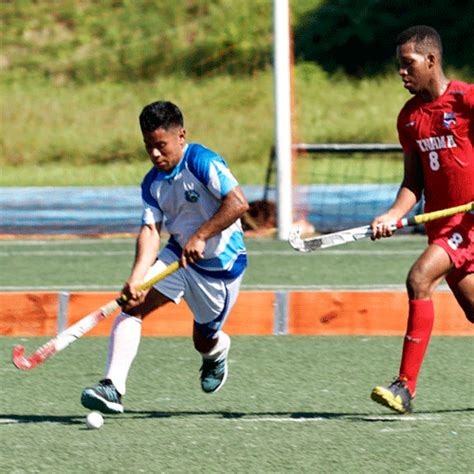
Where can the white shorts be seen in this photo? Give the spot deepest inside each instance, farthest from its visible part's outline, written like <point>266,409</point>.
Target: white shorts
<point>209,299</point>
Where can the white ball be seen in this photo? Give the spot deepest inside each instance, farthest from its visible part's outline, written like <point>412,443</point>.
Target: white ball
<point>94,420</point>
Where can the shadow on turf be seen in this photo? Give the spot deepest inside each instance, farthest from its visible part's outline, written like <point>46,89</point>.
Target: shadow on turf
<point>358,417</point>
<point>63,420</point>
<point>366,417</point>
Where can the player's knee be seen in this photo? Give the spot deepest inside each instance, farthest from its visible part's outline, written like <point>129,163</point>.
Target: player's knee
<point>418,286</point>
<point>132,308</point>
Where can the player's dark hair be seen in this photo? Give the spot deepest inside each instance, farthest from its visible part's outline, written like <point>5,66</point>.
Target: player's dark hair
<point>160,114</point>
<point>425,38</point>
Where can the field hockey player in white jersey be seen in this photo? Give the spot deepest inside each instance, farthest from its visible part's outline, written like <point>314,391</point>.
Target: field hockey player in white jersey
<point>192,192</point>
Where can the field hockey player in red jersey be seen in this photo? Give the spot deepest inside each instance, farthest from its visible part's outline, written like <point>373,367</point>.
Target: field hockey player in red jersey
<point>436,131</point>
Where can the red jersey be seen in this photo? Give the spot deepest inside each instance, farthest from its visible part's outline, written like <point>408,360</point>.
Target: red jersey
<point>441,133</point>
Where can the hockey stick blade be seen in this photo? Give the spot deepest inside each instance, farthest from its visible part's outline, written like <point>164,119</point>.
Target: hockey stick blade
<point>295,240</point>
<point>62,340</point>
<point>358,233</point>
<point>24,363</point>
<point>327,240</point>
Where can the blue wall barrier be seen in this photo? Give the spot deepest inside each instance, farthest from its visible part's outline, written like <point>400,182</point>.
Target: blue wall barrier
<point>96,210</point>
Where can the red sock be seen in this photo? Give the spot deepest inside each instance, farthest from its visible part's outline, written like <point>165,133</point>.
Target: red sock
<point>417,337</point>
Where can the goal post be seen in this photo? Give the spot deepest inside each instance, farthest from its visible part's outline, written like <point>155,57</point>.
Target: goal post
<point>283,113</point>
<point>315,183</point>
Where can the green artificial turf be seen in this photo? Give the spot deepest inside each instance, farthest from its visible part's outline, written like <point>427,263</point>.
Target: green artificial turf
<point>291,404</point>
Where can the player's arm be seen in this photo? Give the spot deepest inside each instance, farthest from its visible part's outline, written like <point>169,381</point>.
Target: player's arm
<point>408,195</point>
<point>233,206</point>
<point>146,250</point>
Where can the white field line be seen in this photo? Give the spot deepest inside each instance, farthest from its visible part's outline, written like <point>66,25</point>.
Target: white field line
<point>64,253</point>
<point>249,287</point>
<point>302,419</point>
<point>56,242</point>
<point>92,241</point>
<point>358,287</point>
<point>255,253</point>
<point>11,249</point>
<point>336,252</point>
<point>311,419</point>
<point>280,420</point>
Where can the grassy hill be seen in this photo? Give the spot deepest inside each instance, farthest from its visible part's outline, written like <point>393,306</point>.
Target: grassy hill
<point>75,75</point>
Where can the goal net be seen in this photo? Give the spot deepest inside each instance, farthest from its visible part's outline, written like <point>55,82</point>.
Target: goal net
<point>346,164</point>
<point>339,185</point>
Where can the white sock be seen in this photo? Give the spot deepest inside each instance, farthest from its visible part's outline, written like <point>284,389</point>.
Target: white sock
<point>123,347</point>
<point>220,349</point>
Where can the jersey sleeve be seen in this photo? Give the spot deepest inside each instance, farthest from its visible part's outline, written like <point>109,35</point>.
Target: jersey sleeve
<point>151,210</point>
<point>221,180</point>
<point>403,124</point>
<point>213,172</point>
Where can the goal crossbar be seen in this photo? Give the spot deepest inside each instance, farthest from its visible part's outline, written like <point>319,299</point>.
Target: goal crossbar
<point>336,148</point>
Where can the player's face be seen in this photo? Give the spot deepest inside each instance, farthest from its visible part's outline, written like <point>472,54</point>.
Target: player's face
<point>415,68</point>
<point>165,147</point>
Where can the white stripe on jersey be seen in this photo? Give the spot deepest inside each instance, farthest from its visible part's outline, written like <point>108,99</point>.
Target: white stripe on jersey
<point>189,196</point>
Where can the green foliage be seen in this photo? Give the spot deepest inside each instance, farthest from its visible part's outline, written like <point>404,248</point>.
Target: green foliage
<point>121,40</point>
<point>74,76</point>
<point>359,36</point>
<point>95,125</point>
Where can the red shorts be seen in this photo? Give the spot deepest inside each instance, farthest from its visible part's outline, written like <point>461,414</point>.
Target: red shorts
<point>458,243</point>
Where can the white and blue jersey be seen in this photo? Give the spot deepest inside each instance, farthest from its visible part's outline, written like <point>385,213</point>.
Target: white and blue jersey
<point>189,196</point>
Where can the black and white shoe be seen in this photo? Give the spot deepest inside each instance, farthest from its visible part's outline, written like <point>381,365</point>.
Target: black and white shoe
<point>103,397</point>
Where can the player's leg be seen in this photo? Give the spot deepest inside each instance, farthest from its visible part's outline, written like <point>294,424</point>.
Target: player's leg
<point>125,339</point>
<point>459,244</point>
<point>462,286</point>
<point>425,274</point>
<point>211,301</point>
<point>214,349</point>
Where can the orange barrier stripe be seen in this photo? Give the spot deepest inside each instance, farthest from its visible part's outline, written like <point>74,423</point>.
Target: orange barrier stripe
<point>309,313</point>
<point>28,314</point>
<point>35,314</point>
<point>369,313</point>
<point>252,314</point>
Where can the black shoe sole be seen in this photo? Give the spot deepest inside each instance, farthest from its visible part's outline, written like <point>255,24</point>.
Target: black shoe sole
<point>94,402</point>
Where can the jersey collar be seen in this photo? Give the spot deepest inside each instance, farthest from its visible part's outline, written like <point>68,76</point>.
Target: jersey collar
<point>177,168</point>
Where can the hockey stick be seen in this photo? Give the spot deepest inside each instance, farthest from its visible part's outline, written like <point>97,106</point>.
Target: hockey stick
<point>74,332</point>
<point>358,233</point>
